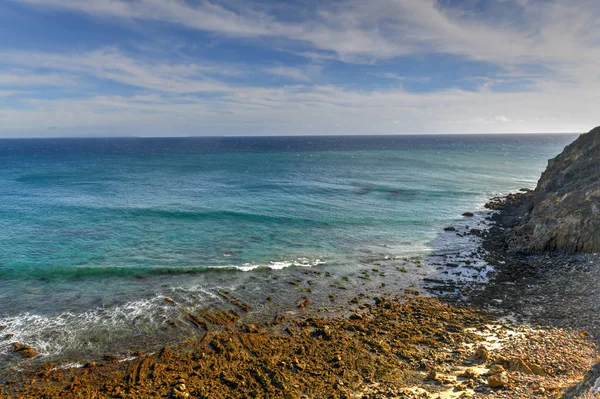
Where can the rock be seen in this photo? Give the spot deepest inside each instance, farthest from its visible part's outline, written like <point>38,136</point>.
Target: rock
<point>468,214</point>
<point>482,354</point>
<point>470,373</point>
<point>24,350</point>
<point>432,375</point>
<point>460,387</point>
<point>250,328</point>
<point>498,380</point>
<point>525,367</point>
<point>111,358</point>
<point>169,300</point>
<point>325,333</point>
<point>8,336</point>
<point>496,369</point>
<point>564,210</point>
<point>449,229</point>
<point>90,365</point>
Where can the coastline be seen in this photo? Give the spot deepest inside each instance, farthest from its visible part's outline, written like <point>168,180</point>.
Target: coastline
<point>404,346</point>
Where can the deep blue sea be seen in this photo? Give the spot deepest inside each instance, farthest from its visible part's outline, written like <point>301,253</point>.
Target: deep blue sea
<point>94,233</point>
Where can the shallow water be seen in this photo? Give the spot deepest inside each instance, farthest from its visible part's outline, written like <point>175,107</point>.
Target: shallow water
<point>95,232</point>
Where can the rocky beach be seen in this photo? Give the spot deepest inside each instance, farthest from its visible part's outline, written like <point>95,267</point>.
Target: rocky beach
<point>529,330</point>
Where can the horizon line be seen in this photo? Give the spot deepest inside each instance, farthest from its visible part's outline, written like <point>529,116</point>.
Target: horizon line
<point>281,136</point>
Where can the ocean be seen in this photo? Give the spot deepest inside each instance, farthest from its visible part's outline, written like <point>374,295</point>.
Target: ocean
<point>95,233</point>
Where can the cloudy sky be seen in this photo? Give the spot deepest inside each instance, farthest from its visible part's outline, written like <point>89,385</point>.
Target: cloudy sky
<point>265,67</point>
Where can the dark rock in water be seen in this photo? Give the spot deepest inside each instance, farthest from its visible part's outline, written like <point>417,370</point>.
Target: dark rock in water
<point>449,229</point>
<point>468,214</point>
<point>24,350</point>
<point>111,358</point>
<point>563,213</point>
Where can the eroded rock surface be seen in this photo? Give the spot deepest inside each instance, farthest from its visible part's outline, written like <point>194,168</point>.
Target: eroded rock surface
<point>564,210</point>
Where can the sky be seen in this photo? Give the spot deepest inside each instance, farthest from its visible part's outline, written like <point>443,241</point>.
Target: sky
<point>296,67</point>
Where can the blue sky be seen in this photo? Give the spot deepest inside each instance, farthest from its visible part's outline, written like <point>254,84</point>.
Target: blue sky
<point>263,67</point>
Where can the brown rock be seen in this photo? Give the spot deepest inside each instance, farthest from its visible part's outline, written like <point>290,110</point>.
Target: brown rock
<point>482,354</point>
<point>24,350</point>
<point>498,380</point>
<point>470,373</point>
<point>525,367</point>
<point>496,369</point>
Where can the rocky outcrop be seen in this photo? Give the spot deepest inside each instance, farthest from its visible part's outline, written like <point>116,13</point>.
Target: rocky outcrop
<point>564,210</point>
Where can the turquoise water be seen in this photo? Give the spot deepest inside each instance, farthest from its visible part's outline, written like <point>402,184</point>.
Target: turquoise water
<point>95,228</point>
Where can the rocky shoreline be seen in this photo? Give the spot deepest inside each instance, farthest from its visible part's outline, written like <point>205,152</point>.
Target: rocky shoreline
<point>529,330</point>
<point>406,347</point>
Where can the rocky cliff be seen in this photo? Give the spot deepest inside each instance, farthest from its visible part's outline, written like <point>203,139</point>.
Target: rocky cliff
<point>563,213</point>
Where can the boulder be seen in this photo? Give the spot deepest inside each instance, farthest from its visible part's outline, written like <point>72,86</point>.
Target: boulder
<point>482,355</point>
<point>496,369</point>
<point>498,380</point>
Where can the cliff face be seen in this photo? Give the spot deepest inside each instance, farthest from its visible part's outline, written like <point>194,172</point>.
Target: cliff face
<point>564,210</point>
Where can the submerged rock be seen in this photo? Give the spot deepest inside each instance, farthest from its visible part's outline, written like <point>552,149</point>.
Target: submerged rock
<point>24,350</point>
<point>563,213</point>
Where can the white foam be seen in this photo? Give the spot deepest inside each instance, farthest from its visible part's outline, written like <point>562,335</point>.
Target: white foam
<point>51,335</point>
<point>595,390</point>
<point>273,265</point>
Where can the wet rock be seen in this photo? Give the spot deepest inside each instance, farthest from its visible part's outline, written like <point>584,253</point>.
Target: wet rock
<point>24,350</point>
<point>250,328</point>
<point>179,391</point>
<point>111,358</point>
<point>325,333</point>
<point>468,214</point>
<point>449,229</point>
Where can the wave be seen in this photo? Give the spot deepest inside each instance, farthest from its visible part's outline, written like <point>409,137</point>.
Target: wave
<point>200,215</point>
<point>74,332</point>
<point>73,272</point>
<point>273,265</point>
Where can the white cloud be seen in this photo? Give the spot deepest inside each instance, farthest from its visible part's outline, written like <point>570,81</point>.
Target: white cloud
<point>297,74</point>
<point>560,36</point>
<point>20,78</point>
<point>112,65</point>
<point>552,31</point>
<point>328,109</point>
